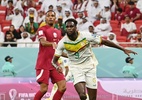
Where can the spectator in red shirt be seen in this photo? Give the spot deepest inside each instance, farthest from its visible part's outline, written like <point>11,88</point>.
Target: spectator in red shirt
<point>133,12</point>
<point>10,8</point>
<point>119,15</point>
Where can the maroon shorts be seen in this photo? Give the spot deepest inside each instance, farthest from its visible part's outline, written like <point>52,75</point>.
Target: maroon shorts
<point>43,75</point>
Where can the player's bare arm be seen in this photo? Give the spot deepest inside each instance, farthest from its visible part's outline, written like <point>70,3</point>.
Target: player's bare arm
<point>55,63</point>
<point>111,44</point>
<point>46,43</point>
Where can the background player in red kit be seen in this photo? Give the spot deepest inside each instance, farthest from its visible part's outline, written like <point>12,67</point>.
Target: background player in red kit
<point>48,37</point>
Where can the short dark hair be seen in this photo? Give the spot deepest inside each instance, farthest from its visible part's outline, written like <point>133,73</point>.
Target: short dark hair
<point>119,9</point>
<point>71,20</point>
<point>131,3</point>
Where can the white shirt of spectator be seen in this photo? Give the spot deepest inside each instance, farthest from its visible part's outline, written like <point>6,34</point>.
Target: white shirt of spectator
<point>24,40</point>
<point>92,12</point>
<point>66,4</point>
<point>106,14</point>
<point>17,20</point>
<point>103,26</point>
<point>129,27</point>
<point>47,3</point>
<point>1,36</point>
<point>139,5</point>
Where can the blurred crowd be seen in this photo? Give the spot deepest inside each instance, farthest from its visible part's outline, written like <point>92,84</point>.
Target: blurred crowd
<point>115,20</point>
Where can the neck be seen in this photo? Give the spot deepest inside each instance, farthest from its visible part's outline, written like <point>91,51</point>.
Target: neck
<point>73,36</point>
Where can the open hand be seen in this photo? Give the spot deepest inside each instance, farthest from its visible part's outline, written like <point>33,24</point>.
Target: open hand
<point>127,52</point>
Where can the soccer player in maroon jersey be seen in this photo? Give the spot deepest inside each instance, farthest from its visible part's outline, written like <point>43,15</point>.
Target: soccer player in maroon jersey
<point>48,37</point>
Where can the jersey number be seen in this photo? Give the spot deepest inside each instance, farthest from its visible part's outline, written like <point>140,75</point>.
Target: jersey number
<point>76,55</point>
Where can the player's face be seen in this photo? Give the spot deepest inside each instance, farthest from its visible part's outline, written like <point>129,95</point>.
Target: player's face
<point>70,28</point>
<point>50,18</point>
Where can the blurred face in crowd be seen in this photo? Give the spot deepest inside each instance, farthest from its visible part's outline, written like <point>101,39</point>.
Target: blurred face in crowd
<point>67,13</point>
<point>96,4</point>
<point>103,21</point>
<point>40,13</point>
<point>31,12</point>
<point>91,29</point>
<point>50,7</point>
<point>17,11</point>
<point>31,19</point>
<point>131,6</point>
<point>84,20</point>
<point>59,8</point>
<point>111,36</point>
<point>80,14</point>
<point>127,19</point>
<point>139,37</point>
<point>12,28</point>
<point>22,29</point>
<point>8,37</point>
<point>25,35</point>
<point>50,18</point>
<point>60,20</point>
<point>106,8</point>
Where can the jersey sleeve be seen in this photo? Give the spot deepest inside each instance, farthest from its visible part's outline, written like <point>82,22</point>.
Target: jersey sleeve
<point>41,33</point>
<point>60,48</point>
<point>93,38</point>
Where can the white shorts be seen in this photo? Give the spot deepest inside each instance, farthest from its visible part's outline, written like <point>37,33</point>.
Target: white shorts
<point>85,73</point>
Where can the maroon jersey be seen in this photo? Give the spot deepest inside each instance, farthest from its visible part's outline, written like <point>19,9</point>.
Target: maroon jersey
<point>46,53</point>
<point>119,17</point>
<point>133,12</point>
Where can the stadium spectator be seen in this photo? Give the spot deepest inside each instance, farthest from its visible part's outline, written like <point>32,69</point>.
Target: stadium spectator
<point>40,17</point>
<point>103,28</point>
<point>91,29</point>
<point>31,11</point>
<point>50,7</point>
<point>119,15</point>
<point>112,37</point>
<point>133,12</point>
<point>129,71</point>
<point>105,13</point>
<point>67,15</point>
<point>61,26</point>
<point>128,27</point>
<point>8,69</point>
<point>93,13</point>
<point>84,25</point>
<point>31,27</point>
<point>25,38</point>
<point>59,11</point>
<point>15,35</point>
<point>80,16</point>
<point>10,8</point>
<point>138,41</point>
<point>9,38</point>
<point>16,18</point>
<point>21,29</point>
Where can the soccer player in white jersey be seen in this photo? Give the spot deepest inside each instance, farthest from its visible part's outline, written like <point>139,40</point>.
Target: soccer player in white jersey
<point>82,60</point>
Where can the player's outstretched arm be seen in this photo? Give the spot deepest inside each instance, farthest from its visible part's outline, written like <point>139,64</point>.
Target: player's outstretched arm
<point>111,44</point>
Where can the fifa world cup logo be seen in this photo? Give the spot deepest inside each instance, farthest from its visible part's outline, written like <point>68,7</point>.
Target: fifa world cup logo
<point>12,94</point>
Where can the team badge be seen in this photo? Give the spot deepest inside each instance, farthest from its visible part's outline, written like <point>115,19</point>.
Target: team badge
<point>55,35</point>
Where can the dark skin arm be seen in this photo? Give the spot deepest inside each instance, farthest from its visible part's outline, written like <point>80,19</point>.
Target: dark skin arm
<point>111,44</point>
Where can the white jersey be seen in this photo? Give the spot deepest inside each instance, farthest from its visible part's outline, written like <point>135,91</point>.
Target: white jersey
<point>79,51</point>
